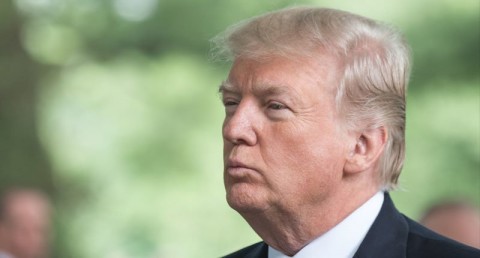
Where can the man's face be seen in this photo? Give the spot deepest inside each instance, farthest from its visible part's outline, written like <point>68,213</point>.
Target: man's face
<point>284,146</point>
<point>462,225</point>
<point>25,230</point>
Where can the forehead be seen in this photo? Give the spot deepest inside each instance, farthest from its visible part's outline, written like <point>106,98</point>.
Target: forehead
<point>284,75</point>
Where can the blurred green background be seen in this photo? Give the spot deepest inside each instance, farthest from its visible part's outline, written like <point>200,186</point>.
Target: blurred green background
<point>111,107</point>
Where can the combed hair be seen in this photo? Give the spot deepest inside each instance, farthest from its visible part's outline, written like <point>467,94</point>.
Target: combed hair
<point>375,59</point>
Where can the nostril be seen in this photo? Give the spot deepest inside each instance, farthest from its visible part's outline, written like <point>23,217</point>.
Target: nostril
<point>236,132</point>
<point>238,141</point>
<point>240,134</point>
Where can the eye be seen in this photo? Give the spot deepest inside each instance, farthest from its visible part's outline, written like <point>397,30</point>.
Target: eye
<point>229,103</point>
<point>276,106</point>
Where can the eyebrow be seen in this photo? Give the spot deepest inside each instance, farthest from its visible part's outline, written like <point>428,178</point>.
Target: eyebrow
<point>262,90</point>
<point>226,86</point>
<point>272,90</point>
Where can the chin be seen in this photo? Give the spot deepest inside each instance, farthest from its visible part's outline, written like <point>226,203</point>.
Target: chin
<point>244,198</point>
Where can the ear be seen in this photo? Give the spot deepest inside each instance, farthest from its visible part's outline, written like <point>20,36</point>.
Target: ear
<point>368,147</point>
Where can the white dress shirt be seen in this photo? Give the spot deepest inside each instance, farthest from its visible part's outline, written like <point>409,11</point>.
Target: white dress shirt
<point>343,240</point>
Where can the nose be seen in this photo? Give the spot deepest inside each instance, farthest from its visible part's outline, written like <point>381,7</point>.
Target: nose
<point>239,127</point>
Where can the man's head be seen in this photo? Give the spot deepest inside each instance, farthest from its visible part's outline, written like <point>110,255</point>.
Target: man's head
<point>372,63</point>
<point>24,223</point>
<point>458,220</point>
<point>315,110</point>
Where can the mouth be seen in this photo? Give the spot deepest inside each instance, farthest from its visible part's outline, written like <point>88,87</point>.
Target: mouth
<point>237,169</point>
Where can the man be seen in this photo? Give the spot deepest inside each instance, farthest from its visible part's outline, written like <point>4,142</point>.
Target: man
<point>314,137</point>
<point>24,224</point>
<point>456,219</point>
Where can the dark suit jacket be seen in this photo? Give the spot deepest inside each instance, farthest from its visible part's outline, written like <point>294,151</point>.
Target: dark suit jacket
<point>392,235</point>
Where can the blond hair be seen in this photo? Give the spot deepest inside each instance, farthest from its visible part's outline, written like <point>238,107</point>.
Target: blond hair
<point>374,56</point>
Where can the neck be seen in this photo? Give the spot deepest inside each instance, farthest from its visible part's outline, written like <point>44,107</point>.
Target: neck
<point>289,230</point>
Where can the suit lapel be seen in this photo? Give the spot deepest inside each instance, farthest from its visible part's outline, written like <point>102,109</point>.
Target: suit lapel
<point>257,250</point>
<point>387,238</point>
<point>260,251</point>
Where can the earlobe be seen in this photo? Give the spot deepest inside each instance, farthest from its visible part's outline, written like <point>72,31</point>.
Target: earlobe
<point>365,153</point>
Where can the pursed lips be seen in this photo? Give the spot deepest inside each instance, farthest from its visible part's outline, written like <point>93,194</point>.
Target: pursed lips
<point>238,169</point>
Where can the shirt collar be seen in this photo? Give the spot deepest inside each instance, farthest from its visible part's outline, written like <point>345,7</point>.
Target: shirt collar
<point>343,240</point>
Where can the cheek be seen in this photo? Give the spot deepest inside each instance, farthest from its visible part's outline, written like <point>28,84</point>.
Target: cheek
<point>306,158</point>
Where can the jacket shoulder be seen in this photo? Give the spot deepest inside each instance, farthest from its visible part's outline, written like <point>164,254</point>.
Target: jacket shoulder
<point>425,243</point>
<point>258,250</point>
